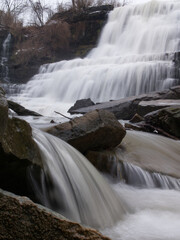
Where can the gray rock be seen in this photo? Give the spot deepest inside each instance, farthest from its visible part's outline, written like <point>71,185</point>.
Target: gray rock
<point>20,110</point>
<point>126,108</point>
<point>95,130</point>
<point>81,104</point>
<point>145,107</point>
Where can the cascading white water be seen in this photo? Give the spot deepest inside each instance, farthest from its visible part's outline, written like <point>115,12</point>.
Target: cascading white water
<point>138,177</point>
<point>76,189</point>
<point>4,58</point>
<point>134,56</point>
<point>70,185</point>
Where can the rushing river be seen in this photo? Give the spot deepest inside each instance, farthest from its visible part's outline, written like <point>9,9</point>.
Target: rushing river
<point>134,55</point>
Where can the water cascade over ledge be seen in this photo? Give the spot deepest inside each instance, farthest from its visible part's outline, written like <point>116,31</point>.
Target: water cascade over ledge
<point>134,56</point>
<point>72,186</point>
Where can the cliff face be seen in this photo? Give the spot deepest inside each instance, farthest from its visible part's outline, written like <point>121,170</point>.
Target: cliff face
<point>67,35</point>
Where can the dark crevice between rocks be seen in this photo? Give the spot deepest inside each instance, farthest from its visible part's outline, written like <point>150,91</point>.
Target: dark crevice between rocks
<point>14,175</point>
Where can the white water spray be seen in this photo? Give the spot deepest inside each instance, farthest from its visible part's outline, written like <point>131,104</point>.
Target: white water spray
<point>134,56</point>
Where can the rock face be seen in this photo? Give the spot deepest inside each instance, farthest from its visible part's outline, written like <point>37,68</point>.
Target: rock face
<point>126,108</point>
<point>168,119</point>
<point>83,31</point>
<point>95,130</point>
<point>20,110</point>
<point>20,218</point>
<point>18,152</point>
<point>3,113</point>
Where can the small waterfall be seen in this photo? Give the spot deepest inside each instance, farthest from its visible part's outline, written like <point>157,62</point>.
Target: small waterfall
<point>73,187</point>
<point>143,160</point>
<point>4,58</point>
<point>134,56</point>
<point>138,177</point>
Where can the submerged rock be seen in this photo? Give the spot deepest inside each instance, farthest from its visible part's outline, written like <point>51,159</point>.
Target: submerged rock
<point>20,218</point>
<point>95,130</point>
<point>20,110</point>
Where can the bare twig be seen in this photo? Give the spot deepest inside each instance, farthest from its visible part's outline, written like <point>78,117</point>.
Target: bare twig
<point>63,115</point>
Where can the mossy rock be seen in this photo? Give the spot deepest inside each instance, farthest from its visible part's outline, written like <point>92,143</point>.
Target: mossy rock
<point>18,140</point>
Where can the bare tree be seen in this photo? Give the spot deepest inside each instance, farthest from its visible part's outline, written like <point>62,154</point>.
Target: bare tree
<point>80,4</point>
<point>13,7</point>
<point>40,11</point>
<point>10,12</point>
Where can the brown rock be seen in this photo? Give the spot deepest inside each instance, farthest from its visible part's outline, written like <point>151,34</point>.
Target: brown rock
<point>136,118</point>
<point>20,218</point>
<point>98,129</point>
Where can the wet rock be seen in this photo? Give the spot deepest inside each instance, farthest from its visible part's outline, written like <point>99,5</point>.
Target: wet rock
<point>136,118</point>
<point>20,218</point>
<point>136,127</point>
<point>95,130</point>
<point>167,119</point>
<point>126,108</point>
<point>3,113</point>
<point>81,104</point>
<point>17,140</point>
<point>145,107</point>
<point>105,161</point>
<point>20,110</point>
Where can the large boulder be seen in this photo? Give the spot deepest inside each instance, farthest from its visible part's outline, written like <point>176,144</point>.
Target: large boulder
<point>18,140</point>
<point>167,119</point>
<point>3,113</point>
<point>20,218</point>
<point>18,152</point>
<point>95,130</point>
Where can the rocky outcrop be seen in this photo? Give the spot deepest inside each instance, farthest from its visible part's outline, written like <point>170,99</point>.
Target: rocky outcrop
<point>75,34</point>
<point>126,108</point>
<point>20,218</point>
<point>167,119</point>
<point>20,110</point>
<point>18,152</point>
<point>95,130</point>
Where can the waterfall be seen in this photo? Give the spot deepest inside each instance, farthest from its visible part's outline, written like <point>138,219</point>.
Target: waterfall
<point>72,186</point>
<point>138,177</point>
<point>4,58</point>
<point>134,56</point>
